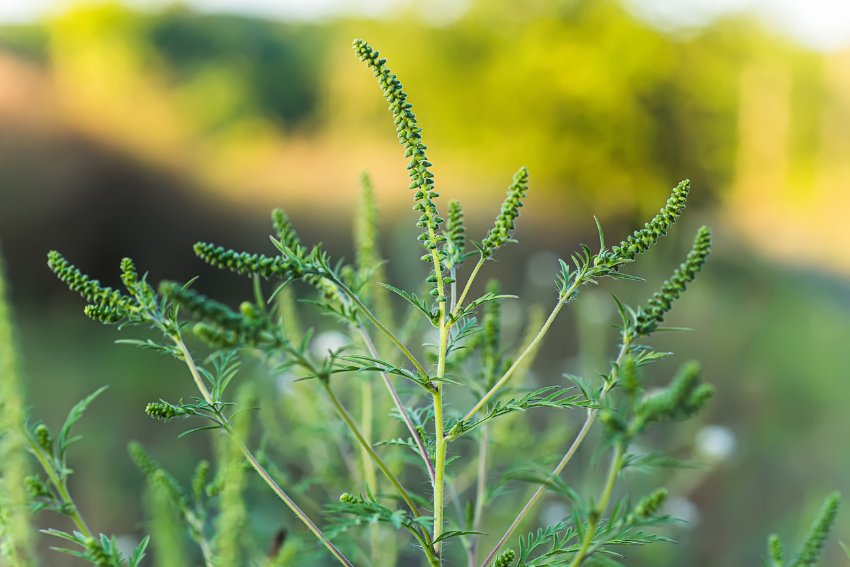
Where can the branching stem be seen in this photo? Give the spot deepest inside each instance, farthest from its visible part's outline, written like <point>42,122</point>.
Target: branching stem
<point>592,414</point>
<point>252,460</point>
<point>423,451</point>
<point>480,493</point>
<point>381,327</point>
<point>518,362</point>
<point>602,504</point>
<point>61,486</point>
<point>459,304</point>
<point>346,417</point>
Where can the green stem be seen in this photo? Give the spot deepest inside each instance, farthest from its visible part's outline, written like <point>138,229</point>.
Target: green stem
<point>439,435</point>
<point>602,504</point>
<point>518,362</point>
<point>366,411</point>
<point>346,417</point>
<point>439,422</point>
<point>367,464</point>
<point>381,327</point>
<point>61,487</point>
<point>423,451</point>
<point>480,493</point>
<point>453,274</point>
<point>457,306</point>
<point>259,298</point>
<point>579,439</point>
<point>249,456</point>
<point>193,369</point>
<point>252,460</point>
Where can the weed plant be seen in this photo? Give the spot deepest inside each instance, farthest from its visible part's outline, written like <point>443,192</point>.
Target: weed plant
<point>417,424</point>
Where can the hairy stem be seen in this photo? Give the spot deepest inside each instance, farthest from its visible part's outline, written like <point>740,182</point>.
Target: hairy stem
<point>439,423</point>
<point>423,451</point>
<point>592,414</point>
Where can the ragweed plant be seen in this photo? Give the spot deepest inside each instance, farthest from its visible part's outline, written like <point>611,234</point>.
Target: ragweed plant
<point>428,473</point>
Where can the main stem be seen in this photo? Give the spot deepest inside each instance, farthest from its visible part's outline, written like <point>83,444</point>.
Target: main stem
<point>439,435</point>
<point>439,423</point>
<point>252,460</point>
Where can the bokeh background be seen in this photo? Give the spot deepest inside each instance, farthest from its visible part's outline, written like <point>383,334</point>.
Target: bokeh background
<point>137,129</point>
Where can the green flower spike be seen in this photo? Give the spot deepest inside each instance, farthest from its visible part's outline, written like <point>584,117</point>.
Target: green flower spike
<point>244,262</point>
<point>455,233</point>
<point>505,223</point>
<point>641,240</point>
<point>409,134</point>
<point>651,504</point>
<point>285,231</point>
<point>90,289</point>
<point>810,551</point>
<point>649,317</point>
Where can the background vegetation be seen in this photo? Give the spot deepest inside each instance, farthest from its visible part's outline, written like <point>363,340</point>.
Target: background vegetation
<point>136,133</point>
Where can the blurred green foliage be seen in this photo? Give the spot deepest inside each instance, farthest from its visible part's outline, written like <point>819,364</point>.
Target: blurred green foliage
<point>606,112</point>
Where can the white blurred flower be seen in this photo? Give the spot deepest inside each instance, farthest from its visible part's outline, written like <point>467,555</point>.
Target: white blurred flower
<point>328,341</point>
<point>715,443</point>
<point>553,513</point>
<point>682,509</point>
<point>126,544</point>
<point>284,381</point>
<point>431,336</point>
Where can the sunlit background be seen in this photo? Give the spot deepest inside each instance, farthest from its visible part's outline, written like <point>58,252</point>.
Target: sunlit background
<point>137,129</point>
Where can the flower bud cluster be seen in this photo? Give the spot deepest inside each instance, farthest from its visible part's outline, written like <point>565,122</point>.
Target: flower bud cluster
<point>641,240</point>
<point>410,136</point>
<point>505,223</point>
<point>455,233</point>
<point>649,317</point>
<point>107,305</point>
<point>246,263</point>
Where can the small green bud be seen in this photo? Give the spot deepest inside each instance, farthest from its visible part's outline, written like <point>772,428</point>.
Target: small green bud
<point>775,550</point>
<point>37,488</point>
<point>348,498</point>
<point>651,504</point>
<point>505,559</point>
<point>506,220</point>
<point>248,309</point>
<point>97,553</point>
<point>165,411</point>
<point>43,438</point>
